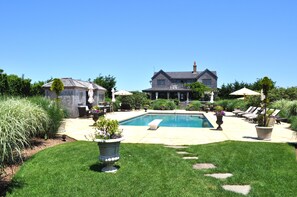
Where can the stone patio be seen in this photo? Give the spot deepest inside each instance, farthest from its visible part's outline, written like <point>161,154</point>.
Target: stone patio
<point>234,128</point>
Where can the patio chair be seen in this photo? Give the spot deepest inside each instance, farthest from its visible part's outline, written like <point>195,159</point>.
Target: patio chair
<point>246,112</point>
<point>254,117</point>
<point>254,113</point>
<point>240,111</point>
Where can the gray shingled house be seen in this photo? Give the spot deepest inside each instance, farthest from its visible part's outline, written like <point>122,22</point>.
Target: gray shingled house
<point>75,94</point>
<point>171,85</point>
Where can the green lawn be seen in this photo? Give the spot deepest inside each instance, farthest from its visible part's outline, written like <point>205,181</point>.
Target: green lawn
<point>72,169</point>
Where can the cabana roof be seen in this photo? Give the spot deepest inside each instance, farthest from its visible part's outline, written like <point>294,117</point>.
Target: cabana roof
<point>73,83</point>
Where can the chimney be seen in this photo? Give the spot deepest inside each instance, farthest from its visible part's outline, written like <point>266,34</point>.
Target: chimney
<point>194,68</point>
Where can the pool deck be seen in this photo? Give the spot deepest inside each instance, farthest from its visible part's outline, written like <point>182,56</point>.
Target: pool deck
<point>234,128</point>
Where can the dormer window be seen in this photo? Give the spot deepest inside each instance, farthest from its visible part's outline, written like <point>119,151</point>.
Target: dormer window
<point>161,82</point>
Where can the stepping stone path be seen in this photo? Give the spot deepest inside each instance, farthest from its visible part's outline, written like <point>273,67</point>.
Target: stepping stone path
<point>201,166</point>
<point>241,189</point>
<point>176,146</point>
<point>190,157</point>
<point>219,175</point>
<point>182,153</point>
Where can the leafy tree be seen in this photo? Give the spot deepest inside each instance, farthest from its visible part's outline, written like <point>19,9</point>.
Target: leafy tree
<point>36,88</point>
<point>57,86</point>
<point>18,86</point>
<point>108,82</point>
<point>198,89</point>
<point>3,83</point>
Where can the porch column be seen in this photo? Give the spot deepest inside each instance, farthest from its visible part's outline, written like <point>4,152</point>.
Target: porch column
<point>187,97</point>
<point>167,95</point>
<point>178,96</point>
<point>157,95</point>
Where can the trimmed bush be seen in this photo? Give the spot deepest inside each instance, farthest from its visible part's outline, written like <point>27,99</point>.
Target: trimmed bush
<point>163,104</point>
<point>194,106</point>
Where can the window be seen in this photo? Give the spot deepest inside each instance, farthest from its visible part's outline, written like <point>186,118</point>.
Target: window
<point>206,82</point>
<point>161,82</point>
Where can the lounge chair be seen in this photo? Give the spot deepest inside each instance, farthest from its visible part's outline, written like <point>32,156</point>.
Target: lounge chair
<point>254,113</point>
<point>248,111</point>
<point>236,111</point>
<point>254,117</point>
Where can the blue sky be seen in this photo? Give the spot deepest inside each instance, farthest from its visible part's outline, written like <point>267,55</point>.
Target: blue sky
<point>242,40</point>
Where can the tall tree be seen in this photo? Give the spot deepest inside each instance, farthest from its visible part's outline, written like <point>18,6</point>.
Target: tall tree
<point>18,86</point>
<point>3,83</point>
<point>36,89</point>
<point>108,82</point>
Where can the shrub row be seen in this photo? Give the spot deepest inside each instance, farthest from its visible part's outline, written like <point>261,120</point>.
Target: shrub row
<point>163,104</point>
<point>194,106</point>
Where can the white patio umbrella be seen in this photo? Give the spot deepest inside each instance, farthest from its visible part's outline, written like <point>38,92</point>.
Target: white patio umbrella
<point>211,97</point>
<point>122,93</point>
<point>90,93</point>
<point>112,95</point>
<point>245,92</point>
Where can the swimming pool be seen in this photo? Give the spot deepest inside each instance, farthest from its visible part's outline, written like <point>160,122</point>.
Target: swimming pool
<point>170,120</point>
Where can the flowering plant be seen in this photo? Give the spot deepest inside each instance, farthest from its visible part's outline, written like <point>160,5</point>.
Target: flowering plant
<point>107,129</point>
<point>95,109</point>
<point>219,111</point>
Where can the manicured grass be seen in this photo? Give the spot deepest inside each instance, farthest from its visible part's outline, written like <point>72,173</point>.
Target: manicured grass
<point>72,169</point>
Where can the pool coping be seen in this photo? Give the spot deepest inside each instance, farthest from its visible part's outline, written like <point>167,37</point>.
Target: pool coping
<point>158,112</point>
<point>234,128</point>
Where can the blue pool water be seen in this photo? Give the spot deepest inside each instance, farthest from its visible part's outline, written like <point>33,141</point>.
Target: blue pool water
<point>170,120</point>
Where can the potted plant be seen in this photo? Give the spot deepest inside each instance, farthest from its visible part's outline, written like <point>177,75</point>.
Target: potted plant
<point>108,137</point>
<point>219,114</point>
<point>145,107</point>
<point>96,112</point>
<point>265,123</point>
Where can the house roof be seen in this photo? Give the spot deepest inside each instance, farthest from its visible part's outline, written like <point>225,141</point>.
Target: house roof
<point>185,75</point>
<point>71,83</point>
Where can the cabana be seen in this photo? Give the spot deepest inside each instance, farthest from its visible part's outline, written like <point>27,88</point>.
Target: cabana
<point>75,95</point>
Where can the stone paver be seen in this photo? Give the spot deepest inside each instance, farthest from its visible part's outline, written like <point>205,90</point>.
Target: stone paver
<point>183,153</point>
<point>241,189</point>
<point>220,175</point>
<point>201,166</point>
<point>188,158</point>
<point>176,146</point>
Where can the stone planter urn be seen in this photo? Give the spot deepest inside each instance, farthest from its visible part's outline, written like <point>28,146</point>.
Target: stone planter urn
<point>109,153</point>
<point>97,115</point>
<point>219,121</point>
<point>264,133</point>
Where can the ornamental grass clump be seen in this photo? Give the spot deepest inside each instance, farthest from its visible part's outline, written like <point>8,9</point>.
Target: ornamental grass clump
<point>54,111</point>
<point>20,120</point>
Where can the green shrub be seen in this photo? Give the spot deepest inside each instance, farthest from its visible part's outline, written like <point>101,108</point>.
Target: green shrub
<point>288,108</point>
<point>163,104</point>
<point>55,113</point>
<point>293,121</point>
<point>19,121</point>
<point>194,106</point>
<point>292,109</point>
